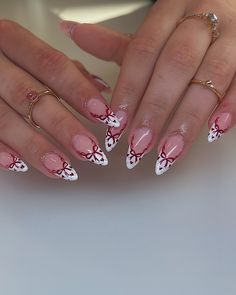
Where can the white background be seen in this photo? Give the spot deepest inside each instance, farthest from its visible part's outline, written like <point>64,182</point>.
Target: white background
<point>116,231</point>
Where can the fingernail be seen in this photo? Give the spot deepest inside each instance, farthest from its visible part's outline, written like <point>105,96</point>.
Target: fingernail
<point>12,162</point>
<point>114,134</point>
<point>67,27</point>
<point>100,81</point>
<point>89,150</point>
<point>56,165</point>
<point>140,142</point>
<point>102,112</point>
<point>220,126</point>
<point>169,153</point>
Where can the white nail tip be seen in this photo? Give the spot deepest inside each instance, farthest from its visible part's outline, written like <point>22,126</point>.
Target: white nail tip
<point>214,133</point>
<point>67,173</point>
<point>96,156</point>
<point>132,158</point>
<point>18,166</point>
<point>162,165</point>
<point>160,170</point>
<point>111,139</point>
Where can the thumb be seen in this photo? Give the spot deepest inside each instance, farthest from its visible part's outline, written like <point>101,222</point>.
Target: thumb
<point>97,40</point>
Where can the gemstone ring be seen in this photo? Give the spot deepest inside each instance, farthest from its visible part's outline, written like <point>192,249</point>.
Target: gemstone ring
<point>210,18</point>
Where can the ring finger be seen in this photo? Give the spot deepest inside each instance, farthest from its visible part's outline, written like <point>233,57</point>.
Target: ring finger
<point>18,87</point>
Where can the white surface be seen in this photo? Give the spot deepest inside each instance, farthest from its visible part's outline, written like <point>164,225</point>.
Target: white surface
<point>116,231</point>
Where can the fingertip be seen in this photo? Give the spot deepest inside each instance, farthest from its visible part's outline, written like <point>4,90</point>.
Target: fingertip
<point>67,27</point>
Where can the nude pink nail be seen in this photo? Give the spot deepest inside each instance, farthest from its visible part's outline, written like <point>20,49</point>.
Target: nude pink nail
<point>113,134</point>
<point>89,150</point>
<point>56,165</point>
<point>67,27</point>
<point>220,126</point>
<point>102,112</point>
<point>140,143</point>
<point>169,153</point>
<point>12,162</point>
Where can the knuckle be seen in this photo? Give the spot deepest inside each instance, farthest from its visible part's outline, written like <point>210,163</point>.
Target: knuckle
<point>193,115</point>
<point>158,107</point>
<point>4,115</point>
<point>218,68</point>
<point>52,60</point>
<point>59,124</point>
<point>182,56</point>
<point>34,145</point>
<point>127,90</point>
<point>144,46</point>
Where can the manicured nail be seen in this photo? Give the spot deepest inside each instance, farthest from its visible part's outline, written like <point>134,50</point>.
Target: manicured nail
<point>140,142</point>
<point>169,153</point>
<point>67,27</point>
<point>102,112</point>
<point>56,165</point>
<point>220,126</point>
<point>12,162</point>
<point>100,81</point>
<point>88,149</point>
<point>114,134</point>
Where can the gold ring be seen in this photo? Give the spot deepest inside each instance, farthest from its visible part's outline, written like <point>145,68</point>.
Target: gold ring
<point>211,20</point>
<point>35,97</point>
<point>209,84</point>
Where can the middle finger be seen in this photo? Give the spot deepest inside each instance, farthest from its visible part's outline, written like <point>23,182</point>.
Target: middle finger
<point>174,69</point>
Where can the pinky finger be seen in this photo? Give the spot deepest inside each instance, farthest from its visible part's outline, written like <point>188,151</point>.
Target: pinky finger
<point>99,83</point>
<point>10,160</point>
<point>224,116</point>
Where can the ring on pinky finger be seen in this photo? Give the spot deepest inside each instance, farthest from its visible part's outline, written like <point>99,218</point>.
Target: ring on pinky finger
<point>10,160</point>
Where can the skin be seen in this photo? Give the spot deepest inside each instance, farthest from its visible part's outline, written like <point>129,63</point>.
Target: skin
<point>29,68</point>
<point>158,63</point>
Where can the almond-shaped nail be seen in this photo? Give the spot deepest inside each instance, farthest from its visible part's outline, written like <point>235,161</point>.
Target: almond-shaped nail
<point>169,153</point>
<point>101,82</point>
<point>59,167</point>
<point>12,162</point>
<point>139,145</point>
<point>221,124</point>
<point>67,27</point>
<point>114,134</point>
<point>101,112</point>
<point>89,150</point>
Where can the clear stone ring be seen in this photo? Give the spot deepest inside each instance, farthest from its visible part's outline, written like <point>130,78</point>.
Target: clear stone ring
<point>211,20</point>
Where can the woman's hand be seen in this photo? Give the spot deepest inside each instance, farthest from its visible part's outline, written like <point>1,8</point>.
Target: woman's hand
<point>153,95</point>
<point>27,64</point>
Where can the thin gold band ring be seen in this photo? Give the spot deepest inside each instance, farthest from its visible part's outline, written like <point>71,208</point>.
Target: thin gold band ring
<point>209,84</point>
<point>35,100</point>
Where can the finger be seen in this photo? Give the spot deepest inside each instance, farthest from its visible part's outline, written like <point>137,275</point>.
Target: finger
<point>224,117</point>
<point>19,88</point>
<point>10,160</point>
<point>174,69</point>
<point>98,82</point>
<point>218,66</point>
<point>140,59</point>
<point>97,40</point>
<point>32,146</point>
<point>55,70</point>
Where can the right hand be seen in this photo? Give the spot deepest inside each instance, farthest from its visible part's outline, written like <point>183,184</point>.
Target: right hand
<point>27,64</point>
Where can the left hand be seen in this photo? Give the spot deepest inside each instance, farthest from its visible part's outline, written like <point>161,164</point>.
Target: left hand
<point>157,67</point>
